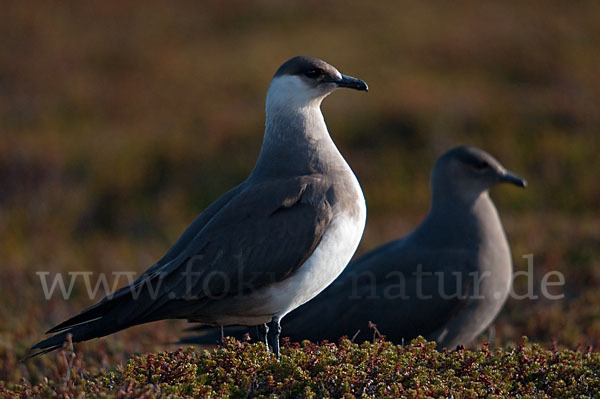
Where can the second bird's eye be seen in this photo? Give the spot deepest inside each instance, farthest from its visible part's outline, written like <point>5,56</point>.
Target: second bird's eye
<point>480,165</point>
<point>313,73</point>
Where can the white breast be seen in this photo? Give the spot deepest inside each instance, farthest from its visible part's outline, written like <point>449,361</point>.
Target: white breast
<point>329,259</point>
<point>325,264</point>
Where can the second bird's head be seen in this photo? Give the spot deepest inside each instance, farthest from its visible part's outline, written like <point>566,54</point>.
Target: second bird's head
<point>306,81</point>
<point>466,172</point>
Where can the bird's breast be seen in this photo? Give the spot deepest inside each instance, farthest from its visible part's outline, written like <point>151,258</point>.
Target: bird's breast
<point>324,265</point>
<point>330,257</point>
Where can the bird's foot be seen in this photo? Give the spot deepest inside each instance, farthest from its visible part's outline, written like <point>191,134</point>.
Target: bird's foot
<point>274,330</point>
<point>262,331</point>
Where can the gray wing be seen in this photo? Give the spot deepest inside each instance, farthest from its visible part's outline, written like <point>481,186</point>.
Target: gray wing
<point>198,224</point>
<point>180,245</point>
<point>264,240</point>
<point>267,230</point>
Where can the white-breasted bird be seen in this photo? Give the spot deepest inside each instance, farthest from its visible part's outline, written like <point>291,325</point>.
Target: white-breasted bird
<point>265,247</point>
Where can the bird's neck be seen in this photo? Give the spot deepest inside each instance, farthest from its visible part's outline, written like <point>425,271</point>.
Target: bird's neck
<point>462,221</point>
<point>296,142</point>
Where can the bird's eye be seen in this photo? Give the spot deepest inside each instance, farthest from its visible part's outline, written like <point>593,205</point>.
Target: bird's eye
<point>312,74</point>
<point>480,166</point>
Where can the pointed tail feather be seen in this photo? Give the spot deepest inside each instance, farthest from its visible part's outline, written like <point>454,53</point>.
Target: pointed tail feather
<point>114,302</point>
<point>108,316</point>
<point>82,332</point>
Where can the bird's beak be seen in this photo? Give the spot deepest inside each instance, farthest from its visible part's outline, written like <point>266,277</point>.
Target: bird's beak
<point>512,178</point>
<point>351,83</point>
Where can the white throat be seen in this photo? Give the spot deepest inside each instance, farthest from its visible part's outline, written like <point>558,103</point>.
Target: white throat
<point>295,105</point>
<point>291,91</point>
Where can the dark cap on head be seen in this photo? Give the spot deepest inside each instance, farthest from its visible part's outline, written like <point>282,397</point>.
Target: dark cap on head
<point>480,165</point>
<point>319,72</point>
<point>300,65</point>
<point>472,156</point>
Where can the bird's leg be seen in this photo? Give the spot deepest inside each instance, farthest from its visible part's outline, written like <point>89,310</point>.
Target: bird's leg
<point>262,330</point>
<point>491,334</point>
<point>274,331</point>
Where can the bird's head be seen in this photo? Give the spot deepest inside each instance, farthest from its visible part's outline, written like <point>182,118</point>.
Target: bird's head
<point>306,81</point>
<point>468,171</point>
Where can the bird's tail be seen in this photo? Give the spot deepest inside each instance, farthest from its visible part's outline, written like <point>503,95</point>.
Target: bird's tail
<point>122,310</point>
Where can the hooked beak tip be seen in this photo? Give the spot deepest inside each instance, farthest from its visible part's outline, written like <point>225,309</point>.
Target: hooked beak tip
<point>352,83</point>
<point>512,178</point>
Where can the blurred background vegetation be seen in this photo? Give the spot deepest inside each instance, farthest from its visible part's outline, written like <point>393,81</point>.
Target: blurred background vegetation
<point>120,122</point>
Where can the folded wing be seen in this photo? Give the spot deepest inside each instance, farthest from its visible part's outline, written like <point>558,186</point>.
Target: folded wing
<point>248,235</point>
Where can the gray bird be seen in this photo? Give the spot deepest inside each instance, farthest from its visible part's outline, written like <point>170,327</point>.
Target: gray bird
<point>265,247</point>
<point>446,281</point>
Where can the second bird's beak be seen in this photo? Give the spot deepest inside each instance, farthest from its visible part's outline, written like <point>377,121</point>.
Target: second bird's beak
<point>352,83</point>
<point>510,177</point>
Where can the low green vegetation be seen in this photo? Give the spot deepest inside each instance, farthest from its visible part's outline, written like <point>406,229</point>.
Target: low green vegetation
<point>348,370</point>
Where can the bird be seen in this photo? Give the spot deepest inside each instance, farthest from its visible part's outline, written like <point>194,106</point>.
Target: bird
<point>266,246</point>
<point>446,281</point>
